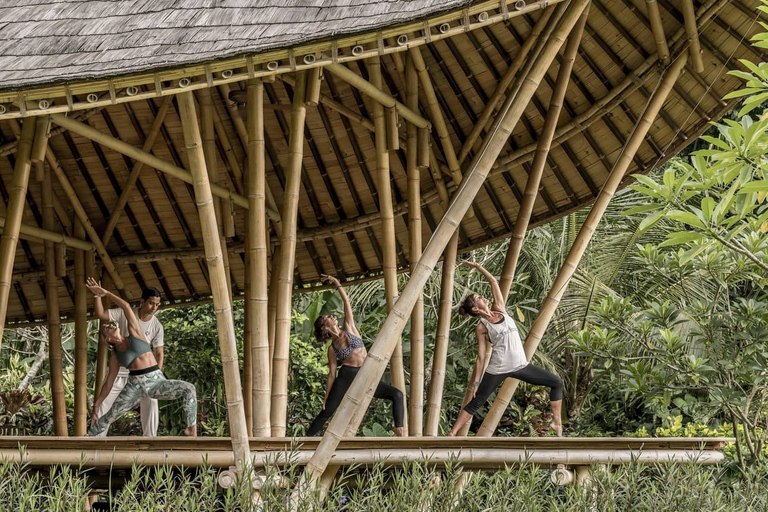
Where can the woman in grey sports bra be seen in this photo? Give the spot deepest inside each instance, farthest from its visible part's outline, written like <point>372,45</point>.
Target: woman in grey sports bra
<point>508,357</point>
<point>347,347</point>
<point>145,378</point>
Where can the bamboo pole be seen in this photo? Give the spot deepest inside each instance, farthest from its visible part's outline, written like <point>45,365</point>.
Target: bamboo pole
<point>389,266</point>
<point>694,48</point>
<point>219,288</point>
<point>130,184</point>
<point>102,352</point>
<point>257,290</point>
<point>540,160</point>
<point>142,156</point>
<point>289,217</point>
<point>377,94</point>
<point>612,182</point>
<point>313,86</point>
<point>14,211</point>
<point>52,315</point>
<point>505,82</point>
<point>39,233</point>
<point>416,413</point>
<point>77,206</point>
<point>359,396</point>
<point>352,115</point>
<point>37,156</point>
<point>654,16</point>
<point>81,339</point>
<point>60,250</point>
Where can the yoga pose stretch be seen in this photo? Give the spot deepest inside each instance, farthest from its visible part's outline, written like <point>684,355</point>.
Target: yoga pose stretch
<point>507,357</point>
<point>144,379</point>
<point>347,347</point>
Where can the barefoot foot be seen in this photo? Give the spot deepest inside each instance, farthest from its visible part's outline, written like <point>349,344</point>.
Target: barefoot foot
<point>399,431</point>
<point>558,428</point>
<point>191,431</point>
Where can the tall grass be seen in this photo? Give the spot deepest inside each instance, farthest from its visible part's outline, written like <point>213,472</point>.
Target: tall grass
<point>413,488</point>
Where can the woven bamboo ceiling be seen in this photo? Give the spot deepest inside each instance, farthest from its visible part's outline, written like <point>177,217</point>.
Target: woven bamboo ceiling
<point>116,66</point>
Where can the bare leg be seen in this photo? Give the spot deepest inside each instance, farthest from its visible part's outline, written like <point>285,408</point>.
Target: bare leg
<point>464,417</point>
<point>557,422</point>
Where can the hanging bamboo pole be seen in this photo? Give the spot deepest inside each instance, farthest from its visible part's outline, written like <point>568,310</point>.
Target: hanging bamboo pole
<point>313,86</point>
<point>416,413</point>
<point>52,315</point>
<point>81,214</point>
<point>540,160</point>
<point>219,288</point>
<point>694,48</point>
<point>504,83</point>
<point>552,300</point>
<point>14,211</point>
<point>60,250</point>
<point>37,156</point>
<point>654,16</point>
<point>81,338</point>
<point>289,218</point>
<point>359,396</point>
<point>130,184</point>
<point>257,294</point>
<point>397,371</point>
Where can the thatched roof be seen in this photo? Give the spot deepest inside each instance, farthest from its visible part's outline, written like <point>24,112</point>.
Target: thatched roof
<point>104,48</point>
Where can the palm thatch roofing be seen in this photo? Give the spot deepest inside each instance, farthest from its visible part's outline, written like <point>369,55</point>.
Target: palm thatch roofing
<point>113,64</point>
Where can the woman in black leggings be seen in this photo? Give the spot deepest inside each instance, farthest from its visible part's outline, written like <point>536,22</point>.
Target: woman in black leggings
<point>347,346</point>
<point>507,358</point>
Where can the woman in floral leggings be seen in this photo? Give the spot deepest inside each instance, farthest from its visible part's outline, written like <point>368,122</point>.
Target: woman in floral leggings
<point>145,378</point>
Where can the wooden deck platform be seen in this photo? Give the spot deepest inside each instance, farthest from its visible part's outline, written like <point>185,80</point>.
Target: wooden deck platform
<point>471,452</point>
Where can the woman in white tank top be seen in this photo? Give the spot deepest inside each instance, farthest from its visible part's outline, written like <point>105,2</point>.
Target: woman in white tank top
<point>508,357</point>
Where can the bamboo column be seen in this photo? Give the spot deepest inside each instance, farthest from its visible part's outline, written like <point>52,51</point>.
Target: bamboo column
<point>540,159</point>
<point>52,313</point>
<point>397,370</point>
<point>694,48</point>
<point>654,16</point>
<point>416,412</point>
<point>219,288</point>
<point>81,338</point>
<point>14,211</point>
<point>359,396</point>
<point>257,331</point>
<point>102,352</point>
<point>289,217</point>
<point>582,239</point>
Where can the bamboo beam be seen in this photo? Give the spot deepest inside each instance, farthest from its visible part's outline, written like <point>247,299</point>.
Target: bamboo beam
<point>289,217</point>
<point>257,291</point>
<point>416,412</point>
<point>377,94</point>
<point>133,177</point>
<point>81,339</point>
<point>51,236</point>
<point>14,211</point>
<point>359,396</point>
<point>654,16</point>
<point>219,288</point>
<point>340,108</point>
<point>505,82</point>
<point>142,156</point>
<point>389,265</point>
<point>612,183</point>
<point>69,190</point>
<point>540,159</point>
<point>694,48</point>
<point>52,315</point>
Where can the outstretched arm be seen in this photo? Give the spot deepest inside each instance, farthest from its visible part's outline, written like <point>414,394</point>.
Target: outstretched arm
<point>498,298</point>
<point>99,292</point>
<point>349,318</point>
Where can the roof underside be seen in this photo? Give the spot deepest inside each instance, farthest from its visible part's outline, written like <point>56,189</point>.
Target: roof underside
<point>158,239</point>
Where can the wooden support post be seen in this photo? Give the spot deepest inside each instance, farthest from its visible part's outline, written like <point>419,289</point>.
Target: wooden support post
<point>694,45</point>
<point>257,291</point>
<point>397,371</point>
<point>416,412</point>
<point>612,182</point>
<point>359,396</point>
<point>219,288</point>
<point>654,16</point>
<point>130,184</point>
<point>14,212</point>
<point>69,190</point>
<point>52,314</point>
<point>289,217</point>
<point>540,160</point>
<point>81,338</point>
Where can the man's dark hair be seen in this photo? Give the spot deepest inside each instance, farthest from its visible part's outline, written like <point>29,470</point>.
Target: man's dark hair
<point>150,292</point>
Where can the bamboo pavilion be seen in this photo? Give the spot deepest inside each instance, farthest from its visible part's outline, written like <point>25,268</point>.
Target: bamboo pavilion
<point>240,149</point>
